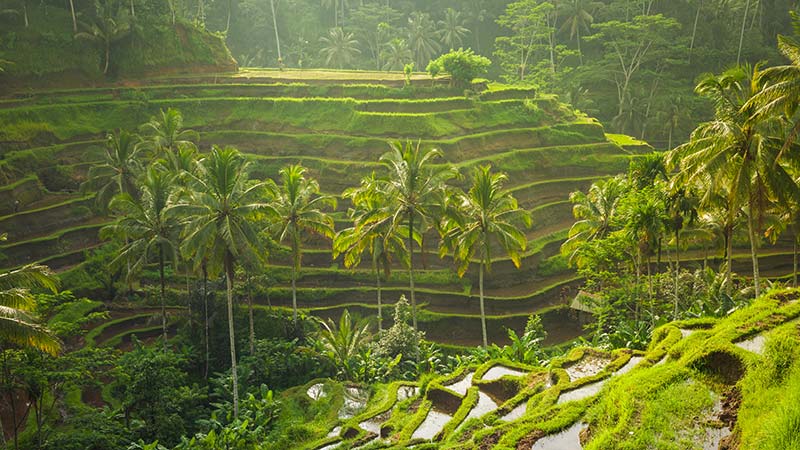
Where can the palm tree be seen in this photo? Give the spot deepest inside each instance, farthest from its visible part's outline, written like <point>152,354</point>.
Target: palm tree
<point>739,149</point>
<point>297,207</point>
<point>396,55</point>
<point>149,230</point>
<point>681,206</point>
<point>165,133</point>
<point>486,214</point>
<point>645,220</point>
<point>413,188</point>
<point>109,26</point>
<point>219,228</point>
<point>118,172</point>
<point>277,36</point>
<point>340,48</point>
<point>451,29</point>
<point>781,91</point>
<point>371,231</point>
<point>422,38</point>
<point>17,325</point>
<point>594,212</point>
<point>577,18</point>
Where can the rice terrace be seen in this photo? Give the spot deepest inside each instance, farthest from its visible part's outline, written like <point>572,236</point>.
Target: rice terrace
<point>479,224</point>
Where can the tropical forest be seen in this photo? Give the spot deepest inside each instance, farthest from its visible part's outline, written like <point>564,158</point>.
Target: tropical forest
<point>392,224</point>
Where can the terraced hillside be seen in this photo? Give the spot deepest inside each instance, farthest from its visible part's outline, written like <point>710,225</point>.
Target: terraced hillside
<point>337,124</point>
<point>701,384</point>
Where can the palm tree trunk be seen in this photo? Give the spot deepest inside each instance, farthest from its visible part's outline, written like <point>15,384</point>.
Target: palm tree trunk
<point>250,313</point>
<point>677,269</point>
<point>694,31</point>
<point>638,263</point>
<point>794,262</point>
<point>483,311</point>
<point>754,253</point>
<point>74,19</point>
<point>189,299</point>
<point>411,269</point>
<point>580,53</point>
<point>108,56</point>
<point>25,12</point>
<point>205,318</point>
<point>294,287</point>
<point>741,35</point>
<point>275,25</point>
<point>163,296</point>
<point>378,281</point>
<point>234,375</point>
<point>228,22</point>
<point>729,258</point>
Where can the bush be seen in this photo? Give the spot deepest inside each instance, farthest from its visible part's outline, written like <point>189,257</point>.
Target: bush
<point>463,66</point>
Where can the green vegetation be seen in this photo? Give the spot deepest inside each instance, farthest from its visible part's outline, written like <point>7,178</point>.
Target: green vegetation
<point>229,241</point>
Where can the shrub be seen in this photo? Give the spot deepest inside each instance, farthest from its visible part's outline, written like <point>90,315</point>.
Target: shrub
<point>463,66</point>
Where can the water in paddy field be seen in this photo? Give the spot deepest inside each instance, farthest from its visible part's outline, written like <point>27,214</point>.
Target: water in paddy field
<point>432,425</point>
<point>461,387</point>
<point>633,362</point>
<point>316,391</point>
<point>686,333</point>
<point>406,392</point>
<point>754,344</point>
<point>484,406</point>
<point>355,400</point>
<point>581,392</point>
<point>568,439</point>
<point>588,366</point>
<point>516,413</point>
<point>497,372</point>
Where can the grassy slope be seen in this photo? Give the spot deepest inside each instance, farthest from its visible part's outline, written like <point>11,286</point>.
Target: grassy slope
<point>338,130</point>
<point>665,401</point>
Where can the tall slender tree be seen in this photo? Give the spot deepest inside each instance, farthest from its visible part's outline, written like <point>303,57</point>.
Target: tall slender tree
<point>413,187</point>
<point>149,231</point>
<point>220,226</point>
<point>298,209</point>
<point>371,232</point>
<point>452,30</point>
<point>486,215</point>
<point>119,170</point>
<point>739,150</point>
<point>339,48</point>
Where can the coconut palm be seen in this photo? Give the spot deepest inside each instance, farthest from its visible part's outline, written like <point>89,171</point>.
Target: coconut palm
<point>422,38</point>
<point>644,215</point>
<point>781,91</point>
<point>413,188</point>
<point>339,48</point>
<point>118,172</point>
<point>219,226</point>
<point>577,19</point>
<point>18,325</point>
<point>452,30</point>
<point>740,150</point>
<point>165,133</point>
<point>594,212</point>
<point>396,55</point>
<point>486,215</point>
<point>372,232</point>
<point>298,210</point>
<point>150,232</point>
<point>111,24</point>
